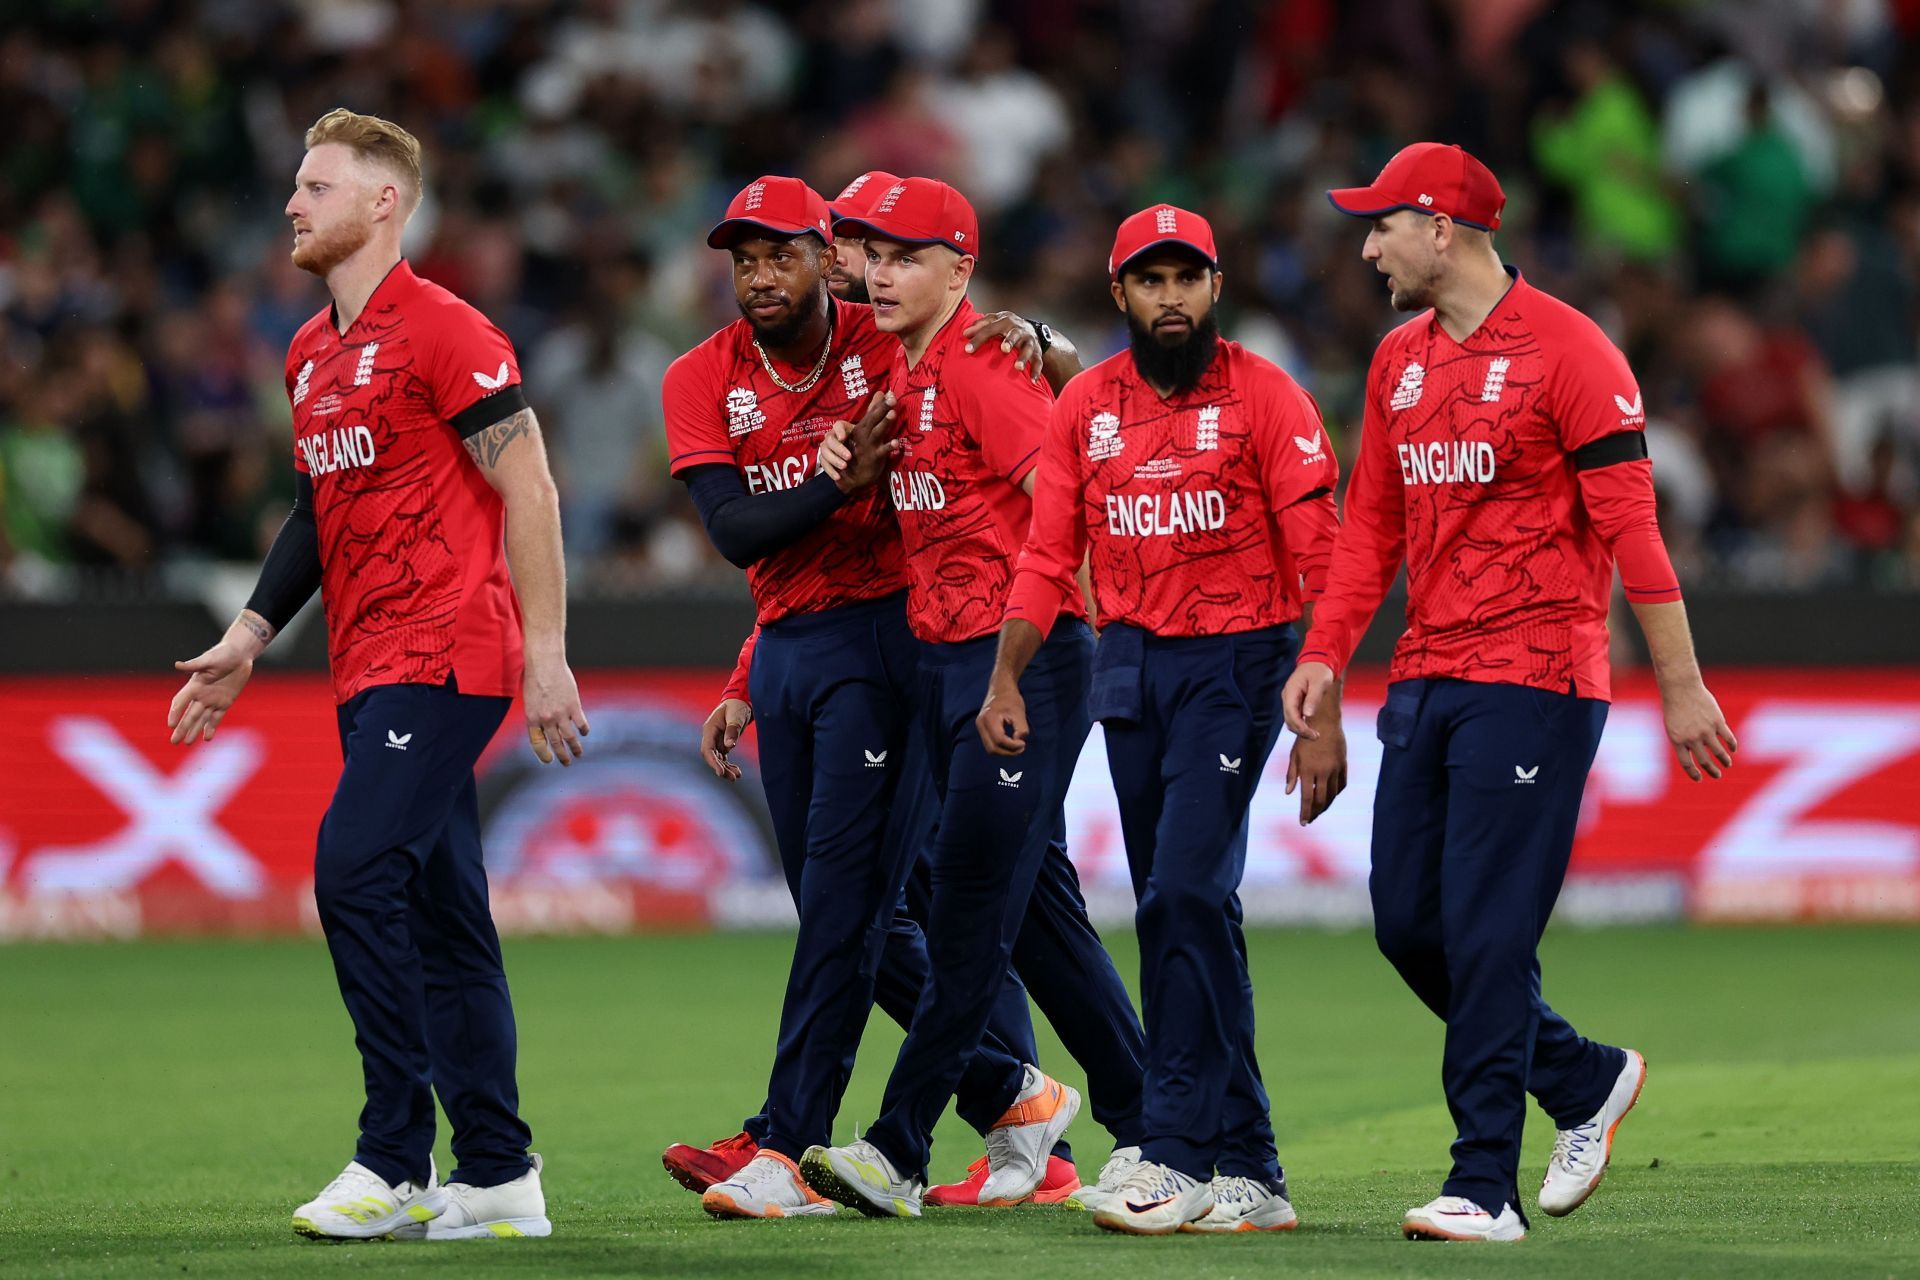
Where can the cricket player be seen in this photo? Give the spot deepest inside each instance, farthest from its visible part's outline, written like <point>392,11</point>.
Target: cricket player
<point>426,517</point>
<point>1197,477</point>
<point>1056,943</point>
<point>960,486</point>
<point>1503,459</point>
<point>746,412</point>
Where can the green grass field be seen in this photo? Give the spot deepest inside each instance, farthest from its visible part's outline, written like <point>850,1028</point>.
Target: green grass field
<point>163,1107</point>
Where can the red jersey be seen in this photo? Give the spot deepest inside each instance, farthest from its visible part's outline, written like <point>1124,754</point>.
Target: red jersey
<point>1208,512</point>
<point>972,427</point>
<point>412,537</point>
<point>1467,470</point>
<point>723,407</point>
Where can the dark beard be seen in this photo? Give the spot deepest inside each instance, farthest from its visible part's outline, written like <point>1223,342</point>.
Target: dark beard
<point>784,334</point>
<point>1174,366</point>
<point>856,291</point>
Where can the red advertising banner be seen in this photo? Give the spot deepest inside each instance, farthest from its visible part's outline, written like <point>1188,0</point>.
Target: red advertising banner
<point>108,830</point>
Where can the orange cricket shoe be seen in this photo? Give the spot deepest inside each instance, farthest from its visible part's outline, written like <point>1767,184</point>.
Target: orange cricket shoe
<point>1061,1180</point>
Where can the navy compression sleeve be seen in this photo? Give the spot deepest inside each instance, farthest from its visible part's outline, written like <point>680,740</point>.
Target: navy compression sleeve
<point>291,573</point>
<point>746,528</point>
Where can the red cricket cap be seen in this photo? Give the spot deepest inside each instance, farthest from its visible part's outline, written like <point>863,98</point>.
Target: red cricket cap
<point>858,196</point>
<point>918,211</point>
<point>1163,224</point>
<point>775,206</point>
<point>1429,177</point>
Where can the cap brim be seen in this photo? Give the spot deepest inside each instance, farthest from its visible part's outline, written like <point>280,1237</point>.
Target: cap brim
<point>729,231</point>
<point>1162,243</point>
<point>866,228</point>
<point>1365,202</point>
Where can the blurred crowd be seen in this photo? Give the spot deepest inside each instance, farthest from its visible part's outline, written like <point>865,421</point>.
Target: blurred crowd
<point>1731,187</point>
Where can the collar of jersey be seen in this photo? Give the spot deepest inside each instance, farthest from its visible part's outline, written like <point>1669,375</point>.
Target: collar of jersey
<point>950,334</point>
<point>399,279</point>
<point>1509,301</point>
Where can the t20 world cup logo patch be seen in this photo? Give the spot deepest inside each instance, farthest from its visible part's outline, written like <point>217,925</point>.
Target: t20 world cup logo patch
<point>1103,437</point>
<point>743,412</point>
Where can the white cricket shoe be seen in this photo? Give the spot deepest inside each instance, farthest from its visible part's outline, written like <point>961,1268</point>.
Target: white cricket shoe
<point>1580,1154</point>
<point>360,1205</point>
<point>504,1212</point>
<point>1118,1168</point>
<point>1155,1200</point>
<point>1020,1141</point>
<point>767,1186</point>
<point>1245,1204</point>
<point>859,1176</point>
<point>1458,1218</point>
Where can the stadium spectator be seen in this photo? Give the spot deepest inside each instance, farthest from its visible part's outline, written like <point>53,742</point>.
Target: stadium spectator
<point>1659,155</point>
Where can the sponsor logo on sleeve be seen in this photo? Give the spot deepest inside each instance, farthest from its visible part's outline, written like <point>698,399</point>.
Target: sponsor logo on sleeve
<point>1313,446</point>
<point>497,381</point>
<point>1632,412</point>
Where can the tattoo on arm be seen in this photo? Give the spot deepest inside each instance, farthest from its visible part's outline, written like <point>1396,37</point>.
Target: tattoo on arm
<point>487,446</point>
<point>257,624</point>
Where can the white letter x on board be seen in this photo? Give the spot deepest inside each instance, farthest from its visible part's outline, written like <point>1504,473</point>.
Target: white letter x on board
<point>168,817</point>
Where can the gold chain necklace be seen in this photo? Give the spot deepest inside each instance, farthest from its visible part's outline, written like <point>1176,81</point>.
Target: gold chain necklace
<point>819,366</point>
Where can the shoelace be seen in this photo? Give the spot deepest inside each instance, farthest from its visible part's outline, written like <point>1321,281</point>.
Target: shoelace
<point>1571,1144</point>
<point>1234,1191</point>
<point>354,1183</point>
<point>1149,1181</point>
<point>1117,1170</point>
<point>1000,1148</point>
<point>760,1170</point>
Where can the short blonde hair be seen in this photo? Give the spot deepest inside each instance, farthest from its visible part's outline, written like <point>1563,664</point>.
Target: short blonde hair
<point>377,141</point>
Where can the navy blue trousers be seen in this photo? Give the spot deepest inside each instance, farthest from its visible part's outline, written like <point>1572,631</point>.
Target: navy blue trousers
<point>1184,773</point>
<point>999,818</point>
<point>1473,824</point>
<point>402,894</point>
<point>832,693</point>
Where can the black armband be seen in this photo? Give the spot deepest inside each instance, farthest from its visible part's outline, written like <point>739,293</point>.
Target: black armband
<point>1621,446</point>
<point>746,528</point>
<point>291,573</point>
<point>487,410</point>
